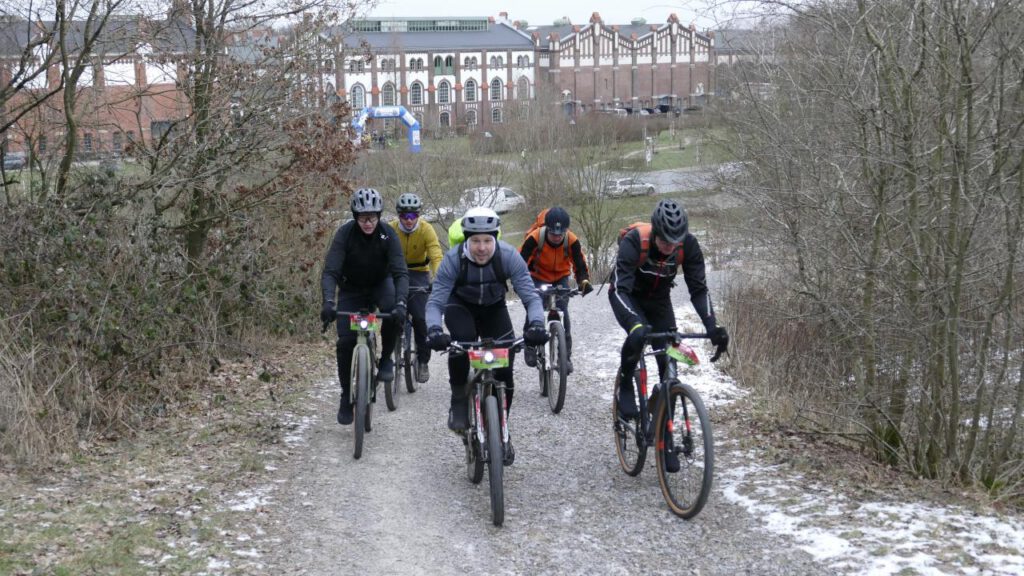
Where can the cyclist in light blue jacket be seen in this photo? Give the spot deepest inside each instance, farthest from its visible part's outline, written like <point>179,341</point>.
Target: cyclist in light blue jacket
<point>469,292</point>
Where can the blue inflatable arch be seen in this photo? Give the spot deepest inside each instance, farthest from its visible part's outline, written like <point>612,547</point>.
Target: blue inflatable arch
<point>359,122</point>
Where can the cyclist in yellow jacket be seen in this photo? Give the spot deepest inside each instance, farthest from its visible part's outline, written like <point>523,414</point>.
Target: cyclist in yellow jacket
<point>422,256</point>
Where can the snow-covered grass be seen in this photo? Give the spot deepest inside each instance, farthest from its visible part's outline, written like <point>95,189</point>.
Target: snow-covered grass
<point>849,535</point>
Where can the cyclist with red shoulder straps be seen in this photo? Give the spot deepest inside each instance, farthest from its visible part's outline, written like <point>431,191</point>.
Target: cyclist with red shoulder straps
<point>640,290</point>
<point>553,253</point>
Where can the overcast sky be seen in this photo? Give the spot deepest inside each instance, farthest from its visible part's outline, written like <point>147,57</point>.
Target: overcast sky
<point>544,12</point>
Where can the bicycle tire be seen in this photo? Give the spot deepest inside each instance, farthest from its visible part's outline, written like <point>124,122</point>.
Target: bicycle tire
<point>474,458</point>
<point>542,370</point>
<point>408,357</point>
<point>630,446</point>
<point>360,386</point>
<point>391,388</point>
<point>495,460</point>
<point>686,491</point>
<point>558,372</point>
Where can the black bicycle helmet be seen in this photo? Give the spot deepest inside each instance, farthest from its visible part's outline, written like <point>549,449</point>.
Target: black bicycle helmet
<point>366,200</point>
<point>557,220</point>
<point>669,221</point>
<point>480,221</point>
<point>408,202</point>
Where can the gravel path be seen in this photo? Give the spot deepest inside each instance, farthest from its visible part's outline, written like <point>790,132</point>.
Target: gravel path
<point>407,507</point>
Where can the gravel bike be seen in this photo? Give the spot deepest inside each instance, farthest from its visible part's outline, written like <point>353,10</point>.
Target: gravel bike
<point>675,423</point>
<point>406,359</point>
<point>553,358</point>
<point>486,439</point>
<point>364,370</point>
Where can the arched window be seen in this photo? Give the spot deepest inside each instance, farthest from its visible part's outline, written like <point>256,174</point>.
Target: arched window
<point>501,61</point>
<point>387,94</point>
<point>470,90</point>
<point>438,62</point>
<point>523,89</point>
<point>496,115</point>
<point>496,89</point>
<point>444,92</point>
<point>494,61</point>
<point>467,62</point>
<point>471,117</point>
<point>475,62</point>
<point>526,61</point>
<point>358,97</point>
<point>416,93</point>
<point>445,119</point>
<point>449,65</point>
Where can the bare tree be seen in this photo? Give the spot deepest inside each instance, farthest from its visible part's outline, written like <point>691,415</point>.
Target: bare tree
<point>887,164</point>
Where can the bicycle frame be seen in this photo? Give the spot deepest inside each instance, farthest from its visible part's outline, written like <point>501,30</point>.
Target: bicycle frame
<point>676,352</point>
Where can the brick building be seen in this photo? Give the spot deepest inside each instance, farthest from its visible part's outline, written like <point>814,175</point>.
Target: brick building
<point>473,71</point>
<point>128,91</point>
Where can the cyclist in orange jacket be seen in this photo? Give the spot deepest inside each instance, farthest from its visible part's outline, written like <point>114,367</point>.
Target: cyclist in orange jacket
<point>552,253</point>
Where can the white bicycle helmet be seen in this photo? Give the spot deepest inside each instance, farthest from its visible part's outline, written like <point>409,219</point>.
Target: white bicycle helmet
<point>480,221</point>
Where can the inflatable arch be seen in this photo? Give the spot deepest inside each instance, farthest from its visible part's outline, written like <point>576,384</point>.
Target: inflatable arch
<point>359,122</point>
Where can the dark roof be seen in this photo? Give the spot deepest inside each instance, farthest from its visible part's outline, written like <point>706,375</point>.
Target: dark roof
<point>14,37</point>
<point>498,35</point>
<point>120,35</point>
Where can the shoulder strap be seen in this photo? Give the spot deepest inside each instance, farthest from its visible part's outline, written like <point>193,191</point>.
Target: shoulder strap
<point>496,261</point>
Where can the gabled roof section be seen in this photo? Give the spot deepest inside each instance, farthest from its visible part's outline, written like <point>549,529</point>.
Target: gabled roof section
<point>121,35</point>
<point>497,35</point>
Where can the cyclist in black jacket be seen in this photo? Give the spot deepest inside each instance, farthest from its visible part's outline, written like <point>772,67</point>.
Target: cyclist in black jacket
<point>366,266</point>
<point>640,290</point>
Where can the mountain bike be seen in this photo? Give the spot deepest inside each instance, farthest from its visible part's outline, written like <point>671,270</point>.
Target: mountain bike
<point>554,372</point>
<point>486,439</point>
<point>674,422</point>
<point>406,358</point>
<point>364,370</point>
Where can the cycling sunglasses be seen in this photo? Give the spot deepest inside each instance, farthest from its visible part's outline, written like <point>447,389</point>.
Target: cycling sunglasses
<point>409,215</point>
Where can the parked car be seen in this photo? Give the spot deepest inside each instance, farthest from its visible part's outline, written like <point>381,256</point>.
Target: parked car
<point>499,198</point>
<point>627,187</point>
<point>15,160</point>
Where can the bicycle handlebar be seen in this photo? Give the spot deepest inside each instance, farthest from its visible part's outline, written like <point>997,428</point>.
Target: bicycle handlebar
<point>466,345</point>
<point>555,290</point>
<point>340,313</point>
<point>677,336</point>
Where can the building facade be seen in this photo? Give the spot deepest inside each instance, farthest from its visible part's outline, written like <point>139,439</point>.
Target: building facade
<point>475,71</point>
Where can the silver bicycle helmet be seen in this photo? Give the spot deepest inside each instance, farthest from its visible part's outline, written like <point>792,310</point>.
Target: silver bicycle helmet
<point>366,200</point>
<point>480,221</point>
<point>669,221</point>
<point>408,202</point>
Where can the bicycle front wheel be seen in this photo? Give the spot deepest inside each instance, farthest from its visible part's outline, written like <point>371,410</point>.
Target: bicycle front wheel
<point>685,451</point>
<point>558,367</point>
<point>495,459</point>
<point>408,357</point>
<point>474,458</point>
<point>391,388</point>
<point>629,438</point>
<point>361,393</point>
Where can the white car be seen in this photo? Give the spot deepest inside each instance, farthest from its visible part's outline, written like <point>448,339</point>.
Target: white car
<point>498,198</point>
<point>627,187</point>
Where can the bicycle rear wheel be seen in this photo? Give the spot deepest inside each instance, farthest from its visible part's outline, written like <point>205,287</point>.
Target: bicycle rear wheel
<point>629,439</point>
<point>495,462</point>
<point>361,393</point>
<point>684,428</point>
<point>558,371</point>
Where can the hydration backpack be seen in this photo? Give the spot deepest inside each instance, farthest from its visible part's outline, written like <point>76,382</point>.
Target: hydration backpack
<point>645,242</point>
